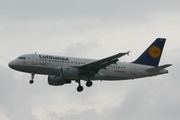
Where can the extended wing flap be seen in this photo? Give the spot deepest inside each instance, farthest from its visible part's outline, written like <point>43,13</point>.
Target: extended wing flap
<point>159,68</point>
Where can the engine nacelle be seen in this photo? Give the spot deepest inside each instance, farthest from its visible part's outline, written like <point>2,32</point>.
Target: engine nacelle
<point>55,80</point>
<point>69,72</point>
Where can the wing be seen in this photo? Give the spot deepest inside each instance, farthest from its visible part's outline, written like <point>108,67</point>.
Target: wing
<point>94,67</point>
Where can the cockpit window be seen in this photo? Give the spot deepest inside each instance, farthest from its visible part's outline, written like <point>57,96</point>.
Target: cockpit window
<point>22,58</point>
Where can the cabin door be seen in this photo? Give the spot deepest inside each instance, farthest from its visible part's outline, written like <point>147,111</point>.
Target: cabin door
<point>34,59</point>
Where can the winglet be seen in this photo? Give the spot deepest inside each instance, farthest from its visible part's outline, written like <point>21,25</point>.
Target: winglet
<point>128,53</point>
<point>121,54</point>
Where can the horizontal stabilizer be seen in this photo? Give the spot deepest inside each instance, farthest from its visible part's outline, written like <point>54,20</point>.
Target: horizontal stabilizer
<point>159,68</point>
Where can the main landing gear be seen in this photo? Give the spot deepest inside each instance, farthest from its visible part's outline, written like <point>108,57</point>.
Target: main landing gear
<point>80,88</point>
<point>32,77</point>
<point>89,83</point>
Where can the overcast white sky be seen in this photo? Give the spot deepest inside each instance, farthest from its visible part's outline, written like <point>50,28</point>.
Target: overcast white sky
<point>89,29</point>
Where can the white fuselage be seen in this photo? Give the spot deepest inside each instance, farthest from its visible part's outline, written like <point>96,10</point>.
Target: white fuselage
<point>50,65</point>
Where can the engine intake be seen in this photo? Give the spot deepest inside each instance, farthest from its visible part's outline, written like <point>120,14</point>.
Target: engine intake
<point>55,80</point>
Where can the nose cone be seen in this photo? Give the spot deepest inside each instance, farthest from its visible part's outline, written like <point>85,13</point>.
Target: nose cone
<point>11,64</point>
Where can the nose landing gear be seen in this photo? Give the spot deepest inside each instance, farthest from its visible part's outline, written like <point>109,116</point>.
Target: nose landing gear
<point>32,77</point>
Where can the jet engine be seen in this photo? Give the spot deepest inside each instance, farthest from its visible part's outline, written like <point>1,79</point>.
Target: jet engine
<point>55,80</point>
<point>69,72</point>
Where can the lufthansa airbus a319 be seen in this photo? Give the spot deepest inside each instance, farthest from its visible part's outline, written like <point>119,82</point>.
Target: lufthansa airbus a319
<point>63,70</point>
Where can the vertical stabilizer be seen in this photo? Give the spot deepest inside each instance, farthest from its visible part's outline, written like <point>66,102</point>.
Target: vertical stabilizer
<point>152,55</point>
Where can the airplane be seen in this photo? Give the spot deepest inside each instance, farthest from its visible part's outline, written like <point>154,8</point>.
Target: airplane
<point>63,70</point>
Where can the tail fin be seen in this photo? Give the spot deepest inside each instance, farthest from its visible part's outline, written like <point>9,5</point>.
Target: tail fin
<point>151,56</point>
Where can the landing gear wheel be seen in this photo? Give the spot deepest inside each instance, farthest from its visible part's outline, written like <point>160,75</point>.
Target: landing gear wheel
<point>31,81</point>
<point>80,88</point>
<point>89,83</point>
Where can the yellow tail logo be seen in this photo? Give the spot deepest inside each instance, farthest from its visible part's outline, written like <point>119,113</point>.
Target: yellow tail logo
<point>154,51</point>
